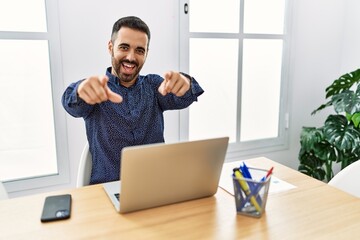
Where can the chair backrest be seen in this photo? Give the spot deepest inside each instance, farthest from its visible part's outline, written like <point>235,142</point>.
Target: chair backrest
<point>3,192</point>
<point>348,179</point>
<point>85,166</point>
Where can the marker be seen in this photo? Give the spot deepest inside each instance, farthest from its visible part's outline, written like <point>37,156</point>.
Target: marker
<point>253,187</point>
<point>246,189</point>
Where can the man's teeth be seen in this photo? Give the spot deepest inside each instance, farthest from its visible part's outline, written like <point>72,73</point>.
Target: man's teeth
<point>128,65</point>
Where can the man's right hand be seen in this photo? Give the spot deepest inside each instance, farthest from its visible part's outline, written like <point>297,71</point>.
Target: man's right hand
<point>95,90</point>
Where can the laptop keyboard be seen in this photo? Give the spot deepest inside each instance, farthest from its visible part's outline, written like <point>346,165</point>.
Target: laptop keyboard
<point>117,195</point>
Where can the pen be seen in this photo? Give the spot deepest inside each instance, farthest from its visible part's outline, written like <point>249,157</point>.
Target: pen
<point>245,171</point>
<point>253,187</point>
<point>267,174</point>
<point>246,189</point>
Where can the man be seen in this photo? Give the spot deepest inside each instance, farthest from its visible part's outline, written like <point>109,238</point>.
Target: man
<point>123,108</point>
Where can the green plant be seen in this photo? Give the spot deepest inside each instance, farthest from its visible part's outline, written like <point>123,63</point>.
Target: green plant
<point>338,141</point>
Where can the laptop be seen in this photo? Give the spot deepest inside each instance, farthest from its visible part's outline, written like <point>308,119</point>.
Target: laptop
<point>155,175</point>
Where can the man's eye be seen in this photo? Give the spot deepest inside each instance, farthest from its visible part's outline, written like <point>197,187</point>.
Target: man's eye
<point>140,51</point>
<point>123,47</point>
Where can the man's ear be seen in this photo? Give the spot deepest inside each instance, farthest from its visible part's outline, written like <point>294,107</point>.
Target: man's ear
<point>110,47</point>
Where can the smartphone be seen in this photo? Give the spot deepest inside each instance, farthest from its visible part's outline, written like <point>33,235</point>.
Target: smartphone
<point>56,207</point>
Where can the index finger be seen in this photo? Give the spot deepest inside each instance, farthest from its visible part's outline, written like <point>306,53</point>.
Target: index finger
<point>168,75</point>
<point>103,80</point>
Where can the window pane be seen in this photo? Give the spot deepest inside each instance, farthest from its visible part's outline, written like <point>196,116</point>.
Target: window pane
<point>260,97</point>
<point>214,16</point>
<point>27,139</point>
<point>15,15</point>
<point>258,18</point>
<point>215,115</point>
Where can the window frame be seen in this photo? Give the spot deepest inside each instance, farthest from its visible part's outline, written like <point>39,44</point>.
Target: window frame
<point>57,85</point>
<point>240,149</point>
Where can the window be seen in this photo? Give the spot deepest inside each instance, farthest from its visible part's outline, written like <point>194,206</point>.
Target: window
<point>238,50</point>
<point>32,149</point>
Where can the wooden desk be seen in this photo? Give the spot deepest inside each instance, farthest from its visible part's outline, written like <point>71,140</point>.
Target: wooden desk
<point>313,210</point>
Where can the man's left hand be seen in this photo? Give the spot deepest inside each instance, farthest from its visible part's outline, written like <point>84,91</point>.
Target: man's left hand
<point>175,83</point>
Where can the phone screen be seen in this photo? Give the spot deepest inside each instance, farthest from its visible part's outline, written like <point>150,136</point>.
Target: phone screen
<point>56,207</point>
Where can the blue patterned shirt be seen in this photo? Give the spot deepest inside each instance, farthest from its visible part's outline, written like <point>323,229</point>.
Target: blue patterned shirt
<point>137,120</point>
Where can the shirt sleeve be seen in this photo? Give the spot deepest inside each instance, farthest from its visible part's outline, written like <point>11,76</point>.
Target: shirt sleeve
<point>195,88</point>
<point>73,104</point>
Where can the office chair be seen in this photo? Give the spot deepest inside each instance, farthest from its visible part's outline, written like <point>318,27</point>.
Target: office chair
<point>3,193</point>
<point>348,179</point>
<point>85,166</point>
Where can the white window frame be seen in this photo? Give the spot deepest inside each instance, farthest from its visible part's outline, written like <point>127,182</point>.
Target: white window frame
<point>256,147</point>
<point>53,37</point>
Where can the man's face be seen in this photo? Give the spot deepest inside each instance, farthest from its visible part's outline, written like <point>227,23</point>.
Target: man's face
<point>128,54</point>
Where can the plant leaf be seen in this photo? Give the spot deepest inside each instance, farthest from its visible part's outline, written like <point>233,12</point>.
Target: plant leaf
<point>322,107</point>
<point>347,101</point>
<point>356,119</point>
<point>311,165</point>
<point>309,137</point>
<point>345,82</point>
<point>346,157</point>
<point>325,151</point>
<point>338,132</point>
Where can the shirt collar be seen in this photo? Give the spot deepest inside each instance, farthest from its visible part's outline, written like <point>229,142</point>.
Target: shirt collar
<point>112,78</point>
<point>116,80</point>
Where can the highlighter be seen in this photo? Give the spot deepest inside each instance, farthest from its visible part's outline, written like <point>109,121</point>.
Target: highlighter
<point>246,189</point>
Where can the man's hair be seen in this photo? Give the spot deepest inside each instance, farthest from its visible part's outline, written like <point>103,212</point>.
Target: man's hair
<point>132,22</point>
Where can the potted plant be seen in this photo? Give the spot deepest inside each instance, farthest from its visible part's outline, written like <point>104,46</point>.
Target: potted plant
<point>338,141</point>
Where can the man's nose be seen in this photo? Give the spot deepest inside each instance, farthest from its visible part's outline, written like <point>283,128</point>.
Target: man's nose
<point>130,55</point>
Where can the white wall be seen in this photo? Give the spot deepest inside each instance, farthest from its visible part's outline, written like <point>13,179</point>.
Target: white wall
<point>351,37</point>
<point>85,31</point>
<point>316,60</point>
<point>324,45</point>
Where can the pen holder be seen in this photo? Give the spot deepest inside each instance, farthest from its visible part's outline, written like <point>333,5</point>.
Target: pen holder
<point>251,194</point>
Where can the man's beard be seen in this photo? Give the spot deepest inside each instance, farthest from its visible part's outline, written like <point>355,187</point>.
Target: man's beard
<point>122,76</point>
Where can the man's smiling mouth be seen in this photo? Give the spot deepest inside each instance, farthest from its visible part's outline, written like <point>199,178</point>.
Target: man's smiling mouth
<point>128,67</point>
